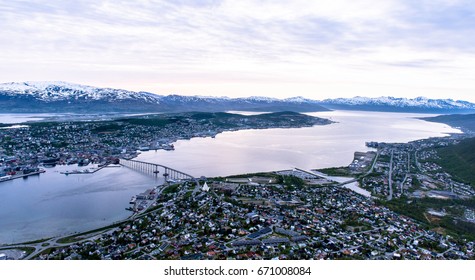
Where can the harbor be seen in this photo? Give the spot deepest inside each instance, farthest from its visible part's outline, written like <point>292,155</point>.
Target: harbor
<point>20,175</point>
<point>143,200</point>
<point>90,170</point>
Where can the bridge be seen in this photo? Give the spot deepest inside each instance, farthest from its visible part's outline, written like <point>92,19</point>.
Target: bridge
<point>154,168</point>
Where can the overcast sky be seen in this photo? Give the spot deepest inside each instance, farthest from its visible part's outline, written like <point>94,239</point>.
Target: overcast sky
<point>315,48</point>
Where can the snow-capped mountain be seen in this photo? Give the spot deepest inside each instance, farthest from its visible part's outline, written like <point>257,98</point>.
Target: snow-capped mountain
<point>51,97</point>
<point>61,97</point>
<point>254,103</point>
<point>61,91</point>
<point>419,104</point>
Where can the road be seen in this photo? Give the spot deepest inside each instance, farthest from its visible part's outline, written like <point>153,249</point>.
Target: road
<point>375,160</point>
<point>418,165</point>
<point>390,179</point>
<point>407,174</point>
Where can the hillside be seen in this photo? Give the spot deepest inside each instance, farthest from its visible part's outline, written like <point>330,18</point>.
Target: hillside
<point>459,160</point>
<point>227,120</point>
<point>464,122</point>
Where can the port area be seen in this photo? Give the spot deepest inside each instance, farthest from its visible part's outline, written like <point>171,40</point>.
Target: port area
<point>90,170</point>
<point>144,200</point>
<point>20,175</point>
<point>362,161</point>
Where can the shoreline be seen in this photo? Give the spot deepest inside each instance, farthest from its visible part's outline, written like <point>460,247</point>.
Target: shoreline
<point>132,216</point>
<point>18,176</point>
<point>23,244</point>
<point>145,210</point>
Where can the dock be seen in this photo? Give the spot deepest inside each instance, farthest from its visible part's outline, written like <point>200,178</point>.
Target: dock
<point>17,176</point>
<point>91,170</point>
<point>143,200</point>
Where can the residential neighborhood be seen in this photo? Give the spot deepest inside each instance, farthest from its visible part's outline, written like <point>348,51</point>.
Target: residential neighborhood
<point>287,214</point>
<point>25,148</point>
<point>265,217</point>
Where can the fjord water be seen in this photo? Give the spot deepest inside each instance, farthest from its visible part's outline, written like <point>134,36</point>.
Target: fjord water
<point>248,151</point>
<point>21,118</point>
<point>54,204</point>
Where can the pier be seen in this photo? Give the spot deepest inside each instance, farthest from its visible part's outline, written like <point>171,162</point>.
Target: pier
<point>154,168</point>
<point>17,176</point>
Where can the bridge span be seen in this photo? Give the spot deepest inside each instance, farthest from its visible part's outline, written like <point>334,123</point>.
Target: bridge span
<point>154,168</point>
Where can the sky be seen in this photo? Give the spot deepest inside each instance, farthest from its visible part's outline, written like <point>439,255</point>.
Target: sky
<point>312,48</point>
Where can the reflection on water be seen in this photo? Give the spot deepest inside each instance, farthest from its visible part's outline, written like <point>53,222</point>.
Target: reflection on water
<point>21,118</point>
<point>53,204</point>
<point>248,151</point>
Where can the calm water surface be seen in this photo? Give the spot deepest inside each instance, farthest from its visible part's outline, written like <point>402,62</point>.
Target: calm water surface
<point>53,204</point>
<point>21,118</point>
<point>248,151</point>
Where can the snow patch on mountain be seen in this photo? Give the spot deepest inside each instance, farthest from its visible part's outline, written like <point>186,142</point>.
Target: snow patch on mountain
<point>300,99</point>
<point>420,102</point>
<point>37,93</point>
<point>58,91</point>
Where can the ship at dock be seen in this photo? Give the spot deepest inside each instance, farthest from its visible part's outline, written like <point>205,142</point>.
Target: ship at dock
<point>133,200</point>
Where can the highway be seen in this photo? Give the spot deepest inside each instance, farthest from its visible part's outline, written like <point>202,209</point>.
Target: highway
<point>346,182</point>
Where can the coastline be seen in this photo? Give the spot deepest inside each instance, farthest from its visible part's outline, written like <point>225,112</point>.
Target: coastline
<point>96,231</point>
<point>114,223</point>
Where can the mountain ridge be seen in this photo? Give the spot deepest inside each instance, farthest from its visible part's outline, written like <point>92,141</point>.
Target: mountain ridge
<point>418,104</point>
<point>52,97</point>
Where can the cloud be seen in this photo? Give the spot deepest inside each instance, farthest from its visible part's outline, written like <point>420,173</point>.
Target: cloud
<point>316,43</point>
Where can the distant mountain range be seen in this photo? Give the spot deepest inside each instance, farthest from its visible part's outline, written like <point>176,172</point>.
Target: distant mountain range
<point>61,97</point>
<point>56,97</point>
<point>393,104</point>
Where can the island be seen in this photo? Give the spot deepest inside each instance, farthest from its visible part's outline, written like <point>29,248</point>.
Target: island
<point>104,141</point>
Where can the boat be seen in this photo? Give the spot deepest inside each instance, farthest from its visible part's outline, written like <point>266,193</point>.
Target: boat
<point>5,178</point>
<point>133,199</point>
<point>83,162</point>
<point>166,147</point>
<point>170,147</point>
<point>50,161</point>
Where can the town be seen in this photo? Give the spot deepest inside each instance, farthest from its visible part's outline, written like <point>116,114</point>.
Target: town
<point>415,209</point>
<point>411,170</point>
<point>282,215</point>
<point>43,144</point>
